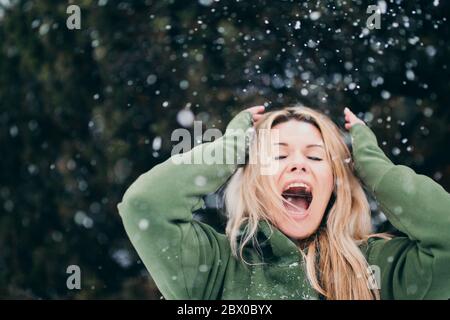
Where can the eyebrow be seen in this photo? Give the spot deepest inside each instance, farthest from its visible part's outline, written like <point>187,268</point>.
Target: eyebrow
<point>308,146</point>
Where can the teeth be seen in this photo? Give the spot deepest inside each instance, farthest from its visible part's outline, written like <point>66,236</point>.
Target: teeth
<point>298,184</point>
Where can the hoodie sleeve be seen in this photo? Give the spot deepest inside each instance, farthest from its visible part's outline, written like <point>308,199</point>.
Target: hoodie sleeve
<point>185,257</point>
<point>416,266</point>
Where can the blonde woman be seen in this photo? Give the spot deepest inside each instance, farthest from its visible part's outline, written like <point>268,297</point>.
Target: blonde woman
<point>301,232</point>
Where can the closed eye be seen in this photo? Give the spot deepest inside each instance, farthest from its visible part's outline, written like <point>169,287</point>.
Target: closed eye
<point>311,158</point>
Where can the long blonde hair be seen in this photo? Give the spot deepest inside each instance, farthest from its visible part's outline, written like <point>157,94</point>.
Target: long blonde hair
<point>335,265</point>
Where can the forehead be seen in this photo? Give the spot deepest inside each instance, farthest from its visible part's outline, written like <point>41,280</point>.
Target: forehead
<point>297,132</point>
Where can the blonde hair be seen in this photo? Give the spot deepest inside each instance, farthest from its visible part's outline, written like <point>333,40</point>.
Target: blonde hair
<point>335,265</point>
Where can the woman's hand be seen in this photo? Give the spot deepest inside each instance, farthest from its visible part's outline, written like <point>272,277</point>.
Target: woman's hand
<point>351,119</point>
<point>257,113</point>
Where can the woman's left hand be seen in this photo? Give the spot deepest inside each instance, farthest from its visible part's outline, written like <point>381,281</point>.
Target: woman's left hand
<point>351,119</point>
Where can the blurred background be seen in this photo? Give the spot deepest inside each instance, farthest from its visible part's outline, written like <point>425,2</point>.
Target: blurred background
<point>84,112</point>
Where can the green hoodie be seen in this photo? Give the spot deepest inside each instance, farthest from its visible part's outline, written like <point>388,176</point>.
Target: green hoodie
<point>188,259</point>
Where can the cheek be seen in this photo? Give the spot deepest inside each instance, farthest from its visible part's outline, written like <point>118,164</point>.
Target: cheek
<point>278,175</point>
<point>325,177</point>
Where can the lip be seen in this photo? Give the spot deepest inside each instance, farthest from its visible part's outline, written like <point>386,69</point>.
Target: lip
<point>298,181</point>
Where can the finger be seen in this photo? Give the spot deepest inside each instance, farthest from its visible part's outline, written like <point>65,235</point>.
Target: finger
<point>257,117</point>
<point>256,109</point>
<point>349,114</point>
<point>352,118</point>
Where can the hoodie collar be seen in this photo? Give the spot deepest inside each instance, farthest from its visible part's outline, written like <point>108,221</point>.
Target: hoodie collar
<point>271,237</point>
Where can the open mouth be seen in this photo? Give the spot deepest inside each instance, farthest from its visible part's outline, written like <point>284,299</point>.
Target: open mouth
<point>298,198</point>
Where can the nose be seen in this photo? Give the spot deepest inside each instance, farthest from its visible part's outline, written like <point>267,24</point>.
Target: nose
<point>298,164</point>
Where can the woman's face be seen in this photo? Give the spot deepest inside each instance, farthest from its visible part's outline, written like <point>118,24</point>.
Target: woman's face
<point>303,177</point>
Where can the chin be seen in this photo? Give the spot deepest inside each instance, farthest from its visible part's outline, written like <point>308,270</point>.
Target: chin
<point>299,234</point>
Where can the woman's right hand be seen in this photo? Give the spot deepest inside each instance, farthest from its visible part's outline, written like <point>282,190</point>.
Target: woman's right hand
<point>242,121</point>
<point>257,113</point>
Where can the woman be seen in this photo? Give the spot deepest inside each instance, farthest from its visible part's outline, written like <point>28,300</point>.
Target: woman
<point>301,232</point>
